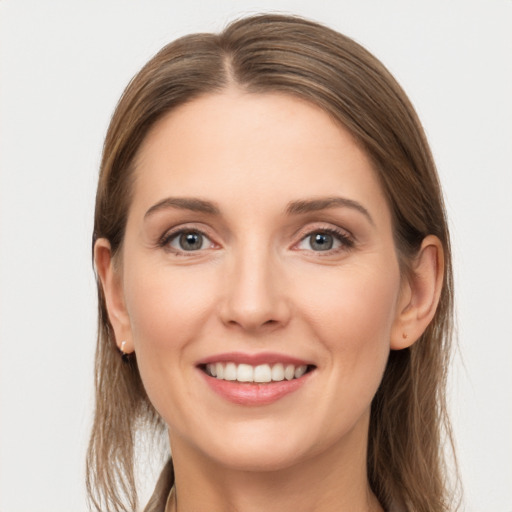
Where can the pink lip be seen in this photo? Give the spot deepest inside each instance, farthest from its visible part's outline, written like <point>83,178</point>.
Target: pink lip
<point>252,394</point>
<point>253,359</point>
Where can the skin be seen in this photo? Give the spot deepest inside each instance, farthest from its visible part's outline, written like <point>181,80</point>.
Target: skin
<point>257,284</point>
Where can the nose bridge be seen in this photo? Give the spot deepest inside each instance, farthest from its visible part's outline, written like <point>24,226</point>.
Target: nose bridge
<point>254,295</point>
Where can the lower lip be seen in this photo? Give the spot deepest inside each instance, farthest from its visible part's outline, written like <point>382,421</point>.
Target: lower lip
<point>246,393</point>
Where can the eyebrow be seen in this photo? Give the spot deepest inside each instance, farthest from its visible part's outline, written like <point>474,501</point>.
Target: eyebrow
<point>184,203</point>
<point>293,208</point>
<point>324,203</point>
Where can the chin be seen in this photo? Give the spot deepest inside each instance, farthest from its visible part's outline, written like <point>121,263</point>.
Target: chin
<point>258,458</point>
<point>251,446</point>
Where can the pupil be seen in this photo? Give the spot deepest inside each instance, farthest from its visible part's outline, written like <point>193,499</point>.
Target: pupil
<point>191,241</point>
<point>321,242</point>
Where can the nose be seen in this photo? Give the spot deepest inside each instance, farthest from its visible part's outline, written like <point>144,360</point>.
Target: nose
<point>255,292</point>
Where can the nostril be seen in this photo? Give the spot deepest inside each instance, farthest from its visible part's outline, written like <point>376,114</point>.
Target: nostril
<point>253,324</point>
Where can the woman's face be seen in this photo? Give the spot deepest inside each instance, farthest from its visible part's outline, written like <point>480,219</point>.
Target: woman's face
<point>258,246</point>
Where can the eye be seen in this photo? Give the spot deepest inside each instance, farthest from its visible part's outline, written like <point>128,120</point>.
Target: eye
<point>325,240</point>
<point>188,241</point>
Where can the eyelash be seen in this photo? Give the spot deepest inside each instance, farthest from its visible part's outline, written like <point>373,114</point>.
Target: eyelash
<point>347,242</point>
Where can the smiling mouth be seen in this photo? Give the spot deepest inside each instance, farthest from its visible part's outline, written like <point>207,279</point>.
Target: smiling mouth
<point>259,374</point>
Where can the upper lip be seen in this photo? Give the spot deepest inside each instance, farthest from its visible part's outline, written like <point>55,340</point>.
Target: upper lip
<point>253,359</point>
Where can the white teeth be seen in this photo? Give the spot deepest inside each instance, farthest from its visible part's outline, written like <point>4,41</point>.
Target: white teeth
<point>219,371</point>
<point>278,372</point>
<point>230,371</point>
<point>245,373</point>
<point>300,371</point>
<point>289,372</point>
<point>261,373</point>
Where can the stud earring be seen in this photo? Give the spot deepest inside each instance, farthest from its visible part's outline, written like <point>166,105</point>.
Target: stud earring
<point>124,356</point>
<point>404,335</point>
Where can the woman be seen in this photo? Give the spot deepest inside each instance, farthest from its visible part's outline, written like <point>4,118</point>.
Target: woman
<point>274,280</point>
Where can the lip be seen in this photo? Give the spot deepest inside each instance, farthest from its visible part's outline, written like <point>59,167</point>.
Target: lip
<point>253,394</point>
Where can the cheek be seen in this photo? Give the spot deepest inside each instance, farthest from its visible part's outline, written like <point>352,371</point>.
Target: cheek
<point>352,315</point>
<point>353,300</point>
<point>167,310</point>
<point>353,322</point>
<point>165,306</point>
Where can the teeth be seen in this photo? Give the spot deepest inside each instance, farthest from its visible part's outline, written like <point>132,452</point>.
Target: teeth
<point>261,373</point>
<point>278,372</point>
<point>245,373</point>
<point>219,370</point>
<point>289,372</point>
<point>230,371</point>
<point>300,371</point>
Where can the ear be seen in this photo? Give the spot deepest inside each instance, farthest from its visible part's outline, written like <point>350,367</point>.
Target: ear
<point>420,294</point>
<point>112,285</point>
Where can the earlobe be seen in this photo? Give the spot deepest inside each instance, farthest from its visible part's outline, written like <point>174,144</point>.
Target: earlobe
<point>111,284</point>
<point>420,294</point>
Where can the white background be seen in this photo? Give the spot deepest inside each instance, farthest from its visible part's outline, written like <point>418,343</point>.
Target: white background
<point>63,65</point>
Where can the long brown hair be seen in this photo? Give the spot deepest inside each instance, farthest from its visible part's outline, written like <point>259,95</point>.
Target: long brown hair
<point>409,423</point>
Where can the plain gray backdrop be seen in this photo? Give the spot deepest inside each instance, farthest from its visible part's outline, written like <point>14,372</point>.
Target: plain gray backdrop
<point>63,65</point>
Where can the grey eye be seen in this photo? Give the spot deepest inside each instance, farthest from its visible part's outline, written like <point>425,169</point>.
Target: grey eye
<point>190,241</point>
<point>324,241</point>
<point>321,241</point>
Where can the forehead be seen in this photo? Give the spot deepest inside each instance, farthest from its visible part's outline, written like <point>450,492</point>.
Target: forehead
<point>253,147</point>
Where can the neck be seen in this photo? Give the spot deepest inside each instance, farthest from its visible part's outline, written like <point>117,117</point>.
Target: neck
<point>333,481</point>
